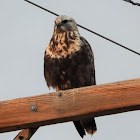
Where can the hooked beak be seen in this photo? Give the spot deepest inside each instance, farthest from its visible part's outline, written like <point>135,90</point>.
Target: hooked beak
<point>58,25</point>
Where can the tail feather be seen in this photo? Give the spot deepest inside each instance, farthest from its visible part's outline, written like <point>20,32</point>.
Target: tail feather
<point>79,128</point>
<point>88,124</point>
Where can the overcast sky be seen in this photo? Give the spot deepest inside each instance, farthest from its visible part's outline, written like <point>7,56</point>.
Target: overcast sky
<point>25,32</point>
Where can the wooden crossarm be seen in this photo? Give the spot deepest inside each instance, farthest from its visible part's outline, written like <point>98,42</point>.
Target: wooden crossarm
<point>69,105</point>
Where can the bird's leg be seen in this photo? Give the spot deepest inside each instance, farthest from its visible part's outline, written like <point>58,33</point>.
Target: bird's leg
<point>57,89</point>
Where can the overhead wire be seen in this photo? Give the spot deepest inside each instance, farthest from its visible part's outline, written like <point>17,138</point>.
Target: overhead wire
<point>86,29</point>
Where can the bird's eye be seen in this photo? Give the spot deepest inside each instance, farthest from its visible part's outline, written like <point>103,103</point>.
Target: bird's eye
<point>65,21</point>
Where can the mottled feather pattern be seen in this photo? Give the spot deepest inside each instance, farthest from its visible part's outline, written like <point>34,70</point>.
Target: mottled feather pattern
<point>63,44</point>
<point>74,67</point>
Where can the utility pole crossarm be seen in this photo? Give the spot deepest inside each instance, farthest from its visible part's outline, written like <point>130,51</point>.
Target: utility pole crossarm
<point>68,105</point>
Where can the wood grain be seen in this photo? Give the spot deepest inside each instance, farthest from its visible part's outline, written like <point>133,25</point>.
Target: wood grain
<point>70,105</point>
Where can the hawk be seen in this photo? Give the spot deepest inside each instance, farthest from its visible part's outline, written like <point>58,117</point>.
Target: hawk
<point>69,63</point>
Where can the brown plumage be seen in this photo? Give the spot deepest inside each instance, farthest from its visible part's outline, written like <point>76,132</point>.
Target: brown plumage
<point>69,63</point>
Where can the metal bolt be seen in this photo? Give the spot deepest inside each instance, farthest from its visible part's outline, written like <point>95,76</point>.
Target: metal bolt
<point>33,108</point>
<point>21,137</point>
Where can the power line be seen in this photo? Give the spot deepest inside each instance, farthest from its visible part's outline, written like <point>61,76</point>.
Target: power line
<point>42,8</point>
<point>109,39</point>
<point>132,2</point>
<point>87,29</point>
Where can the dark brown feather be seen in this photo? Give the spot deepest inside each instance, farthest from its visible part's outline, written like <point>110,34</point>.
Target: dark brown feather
<point>79,128</point>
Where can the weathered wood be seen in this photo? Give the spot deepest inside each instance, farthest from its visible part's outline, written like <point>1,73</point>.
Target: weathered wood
<point>26,134</point>
<point>70,105</point>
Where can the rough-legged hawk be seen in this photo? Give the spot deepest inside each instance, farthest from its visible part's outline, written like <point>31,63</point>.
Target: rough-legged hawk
<point>69,63</point>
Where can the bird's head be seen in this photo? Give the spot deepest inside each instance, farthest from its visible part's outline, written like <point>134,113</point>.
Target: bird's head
<point>65,23</point>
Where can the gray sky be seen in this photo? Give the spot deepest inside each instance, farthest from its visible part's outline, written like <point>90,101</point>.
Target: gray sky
<point>25,32</point>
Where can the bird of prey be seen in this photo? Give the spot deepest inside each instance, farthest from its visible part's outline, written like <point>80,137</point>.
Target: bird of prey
<point>69,63</point>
